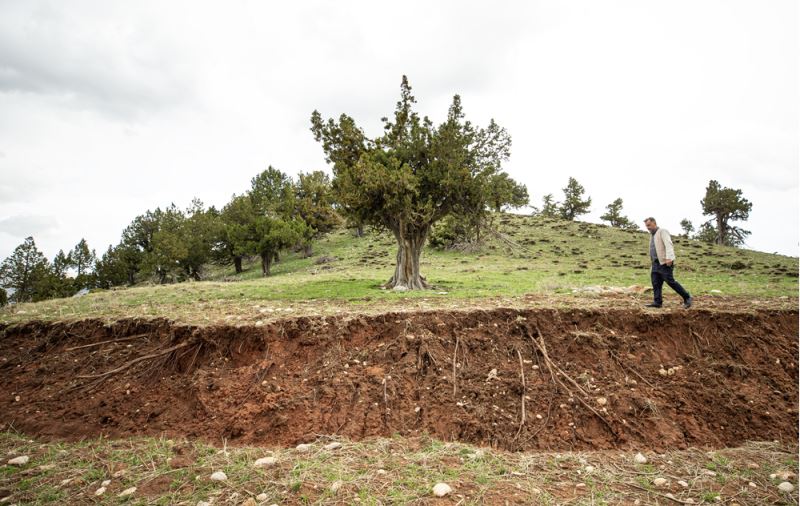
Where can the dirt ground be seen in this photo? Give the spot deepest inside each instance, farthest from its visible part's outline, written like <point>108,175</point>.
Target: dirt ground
<point>516,379</point>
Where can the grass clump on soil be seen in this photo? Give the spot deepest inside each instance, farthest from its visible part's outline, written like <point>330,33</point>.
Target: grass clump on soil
<point>531,256</point>
<point>381,471</point>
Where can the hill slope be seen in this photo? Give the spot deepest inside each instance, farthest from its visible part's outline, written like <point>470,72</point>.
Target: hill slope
<point>532,255</point>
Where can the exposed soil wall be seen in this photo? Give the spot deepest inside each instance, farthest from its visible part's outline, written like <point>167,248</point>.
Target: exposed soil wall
<point>593,380</point>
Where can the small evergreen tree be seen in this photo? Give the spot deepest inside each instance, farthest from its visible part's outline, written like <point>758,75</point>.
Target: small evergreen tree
<point>687,227</point>
<point>725,205</point>
<point>549,207</point>
<point>82,258</point>
<point>574,205</point>
<point>237,234</point>
<point>615,218</point>
<point>314,205</point>
<point>274,234</point>
<point>24,271</point>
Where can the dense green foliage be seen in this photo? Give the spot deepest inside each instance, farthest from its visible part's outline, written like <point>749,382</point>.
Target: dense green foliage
<point>416,174</point>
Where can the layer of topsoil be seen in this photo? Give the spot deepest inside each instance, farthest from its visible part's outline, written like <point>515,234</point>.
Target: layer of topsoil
<point>515,379</point>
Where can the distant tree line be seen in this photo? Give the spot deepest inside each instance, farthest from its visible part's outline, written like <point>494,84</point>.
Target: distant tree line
<point>424,183</point>
<point>723,205</point>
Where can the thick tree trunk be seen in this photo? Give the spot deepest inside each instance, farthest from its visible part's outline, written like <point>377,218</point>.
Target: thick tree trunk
<point>266,263</point>
<point>409,248</point>
<point>237,263</point>
<point>720,230</point>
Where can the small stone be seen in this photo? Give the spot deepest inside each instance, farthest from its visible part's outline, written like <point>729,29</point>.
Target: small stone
<point>46,467</point>
<point>660,482</point>
<point>589,469</point>
<point>218,476</point>
<point>683,483</point>
<point>333,446</point>
<point>127,492</point>
<point>265,462</point>
<point>336,485</point>
<point>602,401</point>
<point>105,483</point>
<point>303,447</point>
<point>640,459</point>
<point>785,486</point>
<point>441,489</point>
<point>261,497</point>
<point>19,461</point>
<point>100,491</point>
<point>203,503</point>
<point>785,475</point>
<point>710,473</point>
<point>249,502</point>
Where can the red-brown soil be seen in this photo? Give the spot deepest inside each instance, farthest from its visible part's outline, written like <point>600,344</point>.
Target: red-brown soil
<point>734,378</point>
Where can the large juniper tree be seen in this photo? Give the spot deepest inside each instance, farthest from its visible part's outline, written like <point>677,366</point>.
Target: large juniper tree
<point>410,177</point>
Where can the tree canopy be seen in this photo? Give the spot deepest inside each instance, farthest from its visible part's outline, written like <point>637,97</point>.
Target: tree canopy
<point>574,204</point>
<point>412,175</point>
<point>724,205</point>
<point>615,218</point>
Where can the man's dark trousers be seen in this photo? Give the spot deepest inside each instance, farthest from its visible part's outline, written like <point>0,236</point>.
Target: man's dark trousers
<point>661,273</point>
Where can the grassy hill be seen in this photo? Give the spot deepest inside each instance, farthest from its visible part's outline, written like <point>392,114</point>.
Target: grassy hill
<point>531,255</point>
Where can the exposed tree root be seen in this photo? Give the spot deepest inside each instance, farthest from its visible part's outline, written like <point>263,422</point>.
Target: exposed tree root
<point>554,368</point>
<point>118,340</point>
<point>135,361</point>
<point>522,374</point>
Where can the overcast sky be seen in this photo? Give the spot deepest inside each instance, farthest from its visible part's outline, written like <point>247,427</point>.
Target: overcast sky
<point>108,109</point>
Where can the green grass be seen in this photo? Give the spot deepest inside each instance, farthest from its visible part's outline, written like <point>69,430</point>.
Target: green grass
<point>550,258</point>
<point>376,471</point>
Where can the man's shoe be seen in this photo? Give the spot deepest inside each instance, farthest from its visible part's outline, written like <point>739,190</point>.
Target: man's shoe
<point>653,305</point>
<point>687,303</point>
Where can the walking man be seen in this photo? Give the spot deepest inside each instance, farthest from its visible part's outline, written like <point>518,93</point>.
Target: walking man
<point>662,256</point>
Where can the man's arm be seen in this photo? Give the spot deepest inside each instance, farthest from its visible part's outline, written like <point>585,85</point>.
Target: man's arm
<point>669,250</point>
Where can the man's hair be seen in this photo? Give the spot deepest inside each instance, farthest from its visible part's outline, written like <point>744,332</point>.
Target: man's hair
<point>650,218</point>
